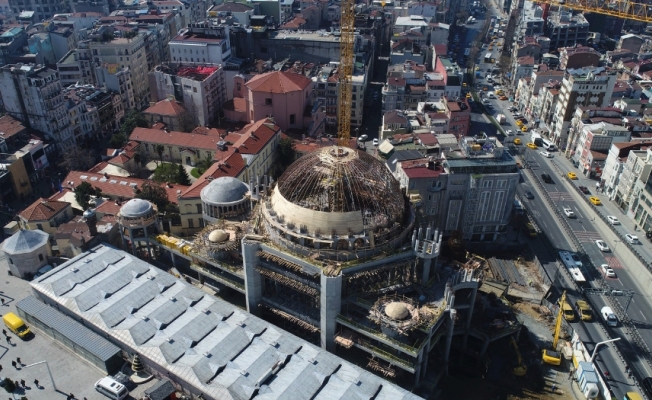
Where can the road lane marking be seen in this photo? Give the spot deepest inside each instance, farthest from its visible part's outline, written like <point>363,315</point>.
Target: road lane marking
<point>642,314</point>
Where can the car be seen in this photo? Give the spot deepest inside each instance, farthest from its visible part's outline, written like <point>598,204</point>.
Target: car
<point>572,175</point>
<point>647,385</point>
<point>529,195</point>
<point>607,271</point>
<point>503,98</point>
<point>584,190</point>
<point>375,142</point>
<point>509,132</point>
<point>532,146</point>
<point>546,178</point>
<point>363,138</point>
<point>468,95</point>
<point>569,213</point>
<point>485,88</point>
<point>497,91</point>
<point>517,140</point>
<point>613,220</point>
<point>491,95</point>
<point>631,239</point>
<point>524,128</point>
<point>485,101</point>
<point>595,201</point>
<point>519,123</point>
<point>546,154</point>
<point>602,245</point>
<point>584,310</point>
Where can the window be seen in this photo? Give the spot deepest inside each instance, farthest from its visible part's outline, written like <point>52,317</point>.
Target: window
<point>39,227</point>
<point>40,257</point>
<point>191,224</point>
<point>487,184</point>
<point>198,208</point>
<point>11,261</point>
<point>293,118</point>
<point>268,102</point>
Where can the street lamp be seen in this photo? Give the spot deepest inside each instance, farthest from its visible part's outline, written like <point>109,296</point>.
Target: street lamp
<point>598,345</point>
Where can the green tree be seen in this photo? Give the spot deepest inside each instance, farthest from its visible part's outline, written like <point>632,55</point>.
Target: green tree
<point>118,140</point>
<point>83,193</point>
<point>204,164</point>
<point>78,159</point>
<point>286,151</point>
<point>182,176</point>
<point>134,119</point>
<point>159,148</point>
<point>166,172</point>
<point>154,193</point>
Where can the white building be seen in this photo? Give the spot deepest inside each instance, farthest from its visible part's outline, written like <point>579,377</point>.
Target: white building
<point>204,42</point>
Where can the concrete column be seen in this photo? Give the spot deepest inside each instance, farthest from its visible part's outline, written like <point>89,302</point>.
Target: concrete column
<point>330,300</point>
<point>467,325</point>
<point>426,271</point>
<point>424,362</point>
<point>133,242</point>
<point>174,259</point>
<point>253,279</point>
<point>449,338</point>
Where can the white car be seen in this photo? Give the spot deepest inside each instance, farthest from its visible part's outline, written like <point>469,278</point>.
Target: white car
<point>485,101</point>
<point>602,245</point>
<point>375,142</point>
<point>569,213</point>
<point>509,132</point>
<point>613,220</point>
<point>363,138</point>
<point>546,154</point>
<point>631,239</point>
<point>607,271</point>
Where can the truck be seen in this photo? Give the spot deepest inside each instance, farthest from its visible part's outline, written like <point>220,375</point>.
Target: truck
<point>501,118</point>
<point>536,139</point>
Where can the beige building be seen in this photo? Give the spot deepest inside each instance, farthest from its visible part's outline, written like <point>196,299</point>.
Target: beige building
<point>14,180</point>
<point>127,53</point>
<point>46,215</point>
<point>171,113</point>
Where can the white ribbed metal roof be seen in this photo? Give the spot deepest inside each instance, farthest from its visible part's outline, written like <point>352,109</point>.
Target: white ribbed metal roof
<point>206,343</point>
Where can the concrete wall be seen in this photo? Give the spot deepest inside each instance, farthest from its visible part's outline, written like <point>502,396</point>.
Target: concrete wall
<point>22,264</point>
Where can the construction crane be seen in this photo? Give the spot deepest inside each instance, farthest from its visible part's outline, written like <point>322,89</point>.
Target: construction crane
<point>615,8</point>
<point>552,356</point>
<point>520,369</point>
<point>347,59</point>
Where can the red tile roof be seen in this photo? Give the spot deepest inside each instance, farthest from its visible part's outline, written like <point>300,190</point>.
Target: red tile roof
<point>203,130</point>
<point>237,104</point>
<point>10,126</point>
<point>43,210</point>
<point>99,167</point>
<point>256,136</point>
<point>230,164</point>
<point>166,107</point>
<point>108,208</point>
<point>173,138</point>
<point>278,82</point>
<point>116,186</point>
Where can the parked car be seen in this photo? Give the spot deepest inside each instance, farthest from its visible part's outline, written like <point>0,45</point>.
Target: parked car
<point>584,190</point>
<point>569,213</point>
<point>529,195</point>
<point>607,271</point>
<point>363,138</point>
<point>595,201</point>
<point>631,239</point>
<point>572,175</point>
<point>509,132</point>
<point>375,142</point>
<point>613,220</point>
<point>602,245</point>
<point>546,154</point>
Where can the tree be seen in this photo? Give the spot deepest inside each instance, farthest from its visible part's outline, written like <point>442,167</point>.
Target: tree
<point>159,148</point>
<point>166,172</point>
<point>154,193</point>
<point>78,159</point>
<point>83,193</point>
<point>182,176</point>
<point>204,164</point>
<point>118,140</point>
<point>286,151</point>
<point>134,119</point>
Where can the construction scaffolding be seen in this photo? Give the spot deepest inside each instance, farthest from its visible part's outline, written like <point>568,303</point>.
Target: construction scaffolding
<point>284,280</point>
<point>387,371</point>
<point>285,263</point>
<point>299,322</point>
<point>401,313</point>
<point>371,280</point>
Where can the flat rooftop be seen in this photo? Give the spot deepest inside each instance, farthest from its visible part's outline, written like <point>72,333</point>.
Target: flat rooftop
<point>207,344</point>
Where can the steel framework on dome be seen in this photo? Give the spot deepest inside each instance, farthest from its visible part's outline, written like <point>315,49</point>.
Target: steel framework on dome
<point>400,313</point>
<point>337,179</point>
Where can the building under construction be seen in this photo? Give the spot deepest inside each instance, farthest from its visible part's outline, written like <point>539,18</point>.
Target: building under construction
<point>333,253</point>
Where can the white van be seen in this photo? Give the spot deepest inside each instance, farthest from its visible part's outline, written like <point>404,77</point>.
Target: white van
<point>548,145</point>
<point>609,316</point>
<point>111,388</point>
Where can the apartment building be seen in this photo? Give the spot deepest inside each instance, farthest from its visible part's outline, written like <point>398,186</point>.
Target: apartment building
<point>42,9</point>
<point>118,80</point>
<point>631,42</point>
<point>204,42</point>
<point>33,94</point>
<point>522,68</point>
<point>565,29</point>
<point>578,57</point>
<point>75,67</point>
<point>532,22</point>
<point>45,215</point>
<point>327,90</point>
<point>528,88</point>
<point>636,167</point>
<point>593,145</point>
<point>127,53</point>
<point>580,87</point>
<point>201,88</point>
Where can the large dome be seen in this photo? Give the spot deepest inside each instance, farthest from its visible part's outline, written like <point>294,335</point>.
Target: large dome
<point>135,208</point>
<point>224,190</point>
<point>338,180</point>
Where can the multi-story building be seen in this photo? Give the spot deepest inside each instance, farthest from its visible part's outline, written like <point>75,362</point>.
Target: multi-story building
<point>12,41</point>
<point>45,215</point>
<point>33,95</point>
<point>597,138</point>
<point>578,57</point>
<point>127,52</point>
<point>42,9</point>
<point>532,22</point>
<point>118,80</point>
<point>583,87</point>
<point>204,42</point>
<point>201,88</point>
<point>522,68</point>
<point>631,42</point>
<point>566,29</point>
<point>528,89</point>
<point>84,119</point>
<point>637,167</point>
<point>75,68</point>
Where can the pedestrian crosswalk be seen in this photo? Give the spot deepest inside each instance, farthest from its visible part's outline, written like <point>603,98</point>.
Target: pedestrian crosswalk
<point>560,196</point>
<point>613,262</point>
<point>587,236</point>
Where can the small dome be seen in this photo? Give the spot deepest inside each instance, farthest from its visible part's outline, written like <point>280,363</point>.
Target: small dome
<point>136,208</point>
<point>218,236</point>
<point>224,190</point>
<point>25,241</point>
<point>397,310</point>
<point>90,213</point>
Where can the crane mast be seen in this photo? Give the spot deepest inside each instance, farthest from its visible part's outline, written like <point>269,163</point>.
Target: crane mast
<point>615,8</point>
<point>347,58</point>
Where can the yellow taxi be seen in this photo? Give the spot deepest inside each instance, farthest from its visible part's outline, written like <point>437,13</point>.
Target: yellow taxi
<point>519,123</point>
<point>572,175</point>
<point>595,201</point>
<point>468,95</point>
<point>524,129</point>
<point>584,310</point>
<point>477,68</point>
<point>503,97</point>
<point>532,146</point>
<point>517,140</point>
<point>499,92</point>
<point>464,84</point>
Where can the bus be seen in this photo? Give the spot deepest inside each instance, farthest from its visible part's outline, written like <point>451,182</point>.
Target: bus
<point>487,58</point>
<point>573,265</point>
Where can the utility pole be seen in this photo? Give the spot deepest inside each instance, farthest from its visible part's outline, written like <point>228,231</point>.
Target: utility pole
<point>598,345</point>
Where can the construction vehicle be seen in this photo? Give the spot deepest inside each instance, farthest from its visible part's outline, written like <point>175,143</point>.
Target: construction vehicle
<point>521,368</point>
<point>615,8</point>
<point>552,356</point>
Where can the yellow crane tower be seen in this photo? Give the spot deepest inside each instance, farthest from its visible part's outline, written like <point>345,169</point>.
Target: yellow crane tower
<point>347,58</point>
<point>616,8</point>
